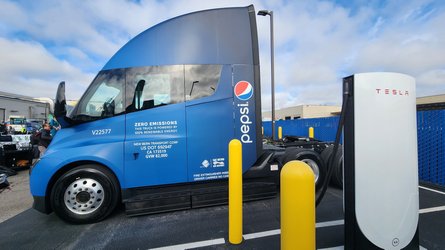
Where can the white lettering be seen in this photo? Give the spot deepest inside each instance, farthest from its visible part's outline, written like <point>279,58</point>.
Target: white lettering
<point>246,138</point>
<point>101,131</point>
<point>245,122</point>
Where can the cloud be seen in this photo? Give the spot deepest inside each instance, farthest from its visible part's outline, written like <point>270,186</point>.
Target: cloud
<point>431,82</point>
<point>31,70</point>
<point>317,43</point>
<point>314,48</point>
<point>96,28</point>
<point>12,17</point>
<point>45,42</point>
<point>411,43</point>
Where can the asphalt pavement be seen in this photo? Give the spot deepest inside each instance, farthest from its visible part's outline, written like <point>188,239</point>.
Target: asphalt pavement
<point>204,228</point>
<point>16,198</point>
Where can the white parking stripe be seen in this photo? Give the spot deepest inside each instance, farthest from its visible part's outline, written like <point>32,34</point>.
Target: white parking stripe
<point>330,223</point>
<point>431,209</point>
<point>433,190</point>
<point>261,234</point>
<point>278,231</point>
<point>343,247</point>
<point>333,248</point>
<point>204,243</point>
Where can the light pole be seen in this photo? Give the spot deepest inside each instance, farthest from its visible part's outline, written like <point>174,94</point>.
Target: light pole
<point>272,66</point>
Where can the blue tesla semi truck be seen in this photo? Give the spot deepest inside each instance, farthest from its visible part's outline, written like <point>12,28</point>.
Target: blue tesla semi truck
<point>152,129</point>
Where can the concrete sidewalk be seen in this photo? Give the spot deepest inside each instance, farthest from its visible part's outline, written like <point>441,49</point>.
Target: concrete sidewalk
<point>16,198</point>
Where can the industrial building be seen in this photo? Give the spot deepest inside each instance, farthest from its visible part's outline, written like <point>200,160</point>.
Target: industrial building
<point>303,111</point>
<point>316,111</point>
<point>23,106</point>
<point>431,102</point>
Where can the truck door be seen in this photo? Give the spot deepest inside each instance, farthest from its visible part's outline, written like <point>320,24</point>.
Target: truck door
<point>155,145</point>
<point>223,110</point>
<point>209,106</point>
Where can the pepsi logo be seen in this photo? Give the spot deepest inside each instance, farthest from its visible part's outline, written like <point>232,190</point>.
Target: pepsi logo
<point>243,90</point>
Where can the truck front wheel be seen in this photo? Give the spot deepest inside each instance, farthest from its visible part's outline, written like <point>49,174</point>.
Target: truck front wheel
<point>86,194</point>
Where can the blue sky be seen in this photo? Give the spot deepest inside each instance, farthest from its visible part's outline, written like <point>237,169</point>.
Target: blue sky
<point>317,43</point>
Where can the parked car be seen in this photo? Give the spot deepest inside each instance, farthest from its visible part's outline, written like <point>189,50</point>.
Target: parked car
<point>16,125</point>
<point>33,126</point>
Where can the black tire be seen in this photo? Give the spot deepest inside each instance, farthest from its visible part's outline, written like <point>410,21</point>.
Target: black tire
<point>85,194</point>
<point>312,158</point>
<point>337,174</point>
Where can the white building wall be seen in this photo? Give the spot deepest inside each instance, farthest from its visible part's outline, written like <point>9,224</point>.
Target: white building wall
<point>18,107</point>
<point>302,111</point>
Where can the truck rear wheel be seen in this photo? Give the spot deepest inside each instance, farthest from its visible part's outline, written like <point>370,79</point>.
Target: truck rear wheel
<point>85,194</point>
<point>312,159</point>
<point>337,164</point>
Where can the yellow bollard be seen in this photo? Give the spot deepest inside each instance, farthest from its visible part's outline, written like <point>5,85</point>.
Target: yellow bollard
<point>235,192</point>
<point>297,206</point>
<point>280,133</point>
<point>311,132</point>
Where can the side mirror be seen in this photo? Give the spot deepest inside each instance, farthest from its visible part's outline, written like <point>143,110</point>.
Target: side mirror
<point>60,103</point>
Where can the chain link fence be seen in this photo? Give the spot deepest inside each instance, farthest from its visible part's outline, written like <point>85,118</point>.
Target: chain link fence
<point>324,128</point>
<point>431,145</point>
<point>430,137</point>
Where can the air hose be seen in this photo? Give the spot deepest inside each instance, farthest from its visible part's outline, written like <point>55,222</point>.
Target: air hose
<point>346,94</point>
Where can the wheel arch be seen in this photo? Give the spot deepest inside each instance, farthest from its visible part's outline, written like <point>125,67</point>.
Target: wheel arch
<point>69,167</point>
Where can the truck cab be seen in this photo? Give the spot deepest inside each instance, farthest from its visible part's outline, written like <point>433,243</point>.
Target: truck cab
<point>160,114</point>
<point>152,130</point>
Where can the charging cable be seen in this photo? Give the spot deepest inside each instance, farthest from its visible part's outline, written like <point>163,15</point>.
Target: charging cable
<point>346,95</point>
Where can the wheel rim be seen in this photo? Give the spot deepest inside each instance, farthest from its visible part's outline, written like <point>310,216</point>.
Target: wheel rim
<point>314,166</point>
<point>84,196</point>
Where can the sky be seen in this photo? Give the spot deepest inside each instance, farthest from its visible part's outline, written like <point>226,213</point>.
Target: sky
<point>317,43</point>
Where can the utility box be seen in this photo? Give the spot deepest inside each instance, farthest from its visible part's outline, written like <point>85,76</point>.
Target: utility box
<point>380,162</point>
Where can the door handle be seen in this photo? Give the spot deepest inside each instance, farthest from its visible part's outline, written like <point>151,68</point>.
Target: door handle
<point>136,155</point>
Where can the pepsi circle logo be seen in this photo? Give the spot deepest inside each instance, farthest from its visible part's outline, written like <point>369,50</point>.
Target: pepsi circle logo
<point>243,90</point>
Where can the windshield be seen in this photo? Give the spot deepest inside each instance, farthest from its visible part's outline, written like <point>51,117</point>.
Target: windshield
<point>104,98</point>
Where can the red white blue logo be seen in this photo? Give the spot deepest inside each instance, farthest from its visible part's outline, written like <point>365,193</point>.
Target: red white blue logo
<point>243,90</point>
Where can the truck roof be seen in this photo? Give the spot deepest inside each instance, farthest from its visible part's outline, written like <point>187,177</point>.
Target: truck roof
<point>215,36</point>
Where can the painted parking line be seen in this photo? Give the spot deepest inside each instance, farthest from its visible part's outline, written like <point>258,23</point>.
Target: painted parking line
<point>431,209</point>
<point>205,243</point>
<point>278,231</point>
<point>333,248</point>
<point>432,190</point>
<point>261,234</point>
<point>257,235</point>
<point>251,236</point>
<point>343,247</point>
<point>330,223</point>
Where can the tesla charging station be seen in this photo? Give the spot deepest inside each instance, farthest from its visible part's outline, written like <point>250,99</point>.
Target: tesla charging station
<point>380,162</point>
